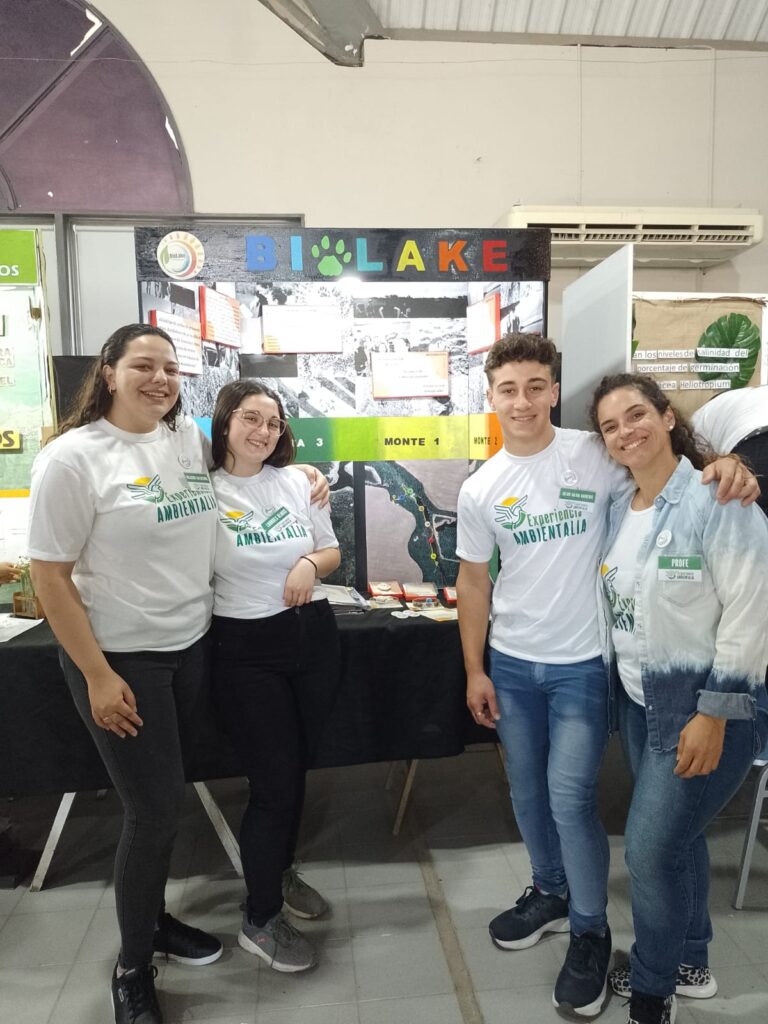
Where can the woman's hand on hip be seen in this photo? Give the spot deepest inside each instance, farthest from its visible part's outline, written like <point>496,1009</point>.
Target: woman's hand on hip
<point>113,705</point>
<point>300,583</point>
<point>700,746</point>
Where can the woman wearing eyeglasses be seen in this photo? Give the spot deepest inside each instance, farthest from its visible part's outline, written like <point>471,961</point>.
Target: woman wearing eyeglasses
<point>275,653</point>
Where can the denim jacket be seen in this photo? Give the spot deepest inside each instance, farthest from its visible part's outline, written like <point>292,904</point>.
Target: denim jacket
<point>701,597</point>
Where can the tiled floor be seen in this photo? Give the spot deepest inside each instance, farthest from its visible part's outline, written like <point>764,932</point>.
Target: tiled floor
<point>408,937</point>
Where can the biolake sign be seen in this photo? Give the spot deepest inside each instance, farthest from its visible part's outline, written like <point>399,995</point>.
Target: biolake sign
<point>18,257</point>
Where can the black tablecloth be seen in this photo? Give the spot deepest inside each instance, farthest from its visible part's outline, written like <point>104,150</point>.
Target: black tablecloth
<point>401,696</point>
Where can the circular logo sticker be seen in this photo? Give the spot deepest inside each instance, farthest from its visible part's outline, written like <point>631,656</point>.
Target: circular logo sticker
<point>569,477</point>
<point>180,255</point>
<point>664,538</point>
<point>185,461</point>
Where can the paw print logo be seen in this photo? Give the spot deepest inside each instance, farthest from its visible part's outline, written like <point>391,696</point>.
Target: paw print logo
<point>330,262</point>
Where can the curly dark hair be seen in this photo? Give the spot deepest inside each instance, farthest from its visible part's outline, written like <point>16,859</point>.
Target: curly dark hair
<point>230,398</point>
<point>93,400</point>
<point>522,348</point>
<point>684,440</point>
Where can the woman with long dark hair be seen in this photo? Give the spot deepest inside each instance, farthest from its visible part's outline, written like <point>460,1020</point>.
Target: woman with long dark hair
<point>122,534</point>
<point>275,653</point>
<point>685,587</point>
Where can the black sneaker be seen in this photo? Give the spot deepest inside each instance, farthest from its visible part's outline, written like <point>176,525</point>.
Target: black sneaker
<point>645,1009</point>
<point>583,980</point>
<point>185,944</point>
<point>133,996</point>
<point>524,924</point>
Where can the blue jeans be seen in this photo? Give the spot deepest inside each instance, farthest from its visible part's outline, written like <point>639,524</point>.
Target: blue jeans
<point>554,731</point>
<point>666,851</point>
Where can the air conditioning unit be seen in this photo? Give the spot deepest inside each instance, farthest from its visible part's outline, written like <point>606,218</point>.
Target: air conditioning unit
<point>679,237</point>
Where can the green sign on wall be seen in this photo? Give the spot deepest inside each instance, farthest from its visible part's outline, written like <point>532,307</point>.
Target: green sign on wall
<point>18,257</point>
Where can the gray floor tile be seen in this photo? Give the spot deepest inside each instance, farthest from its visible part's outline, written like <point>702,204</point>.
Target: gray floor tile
<point>31,939</point>
<point>385,910</point>
<point>459,859</point>
<point>749,930</point>
<point>742,996</point>
<point>332,981</point>
<point>400,966</point>
<point>474,902</point>
<point>492,968</point>
<point>386,862</point>
<point>9,899</point>
<point>102,939</point>
<point>213,904</point>
<point>69,896</point>
<point>331,1013</point>
<point>85,997</point>
<point>224,989</point>
<point>442,1009</point>
<point>28,994</point>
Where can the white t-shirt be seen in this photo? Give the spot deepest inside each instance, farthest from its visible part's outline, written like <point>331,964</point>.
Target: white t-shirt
<point>266,522</point>
<point>547,513</point>
<point>620,572</point>
<point>137,515</point>
<point>728,418</point>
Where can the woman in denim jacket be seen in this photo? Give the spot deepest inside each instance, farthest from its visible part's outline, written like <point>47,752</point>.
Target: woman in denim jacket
<point>685,588</point>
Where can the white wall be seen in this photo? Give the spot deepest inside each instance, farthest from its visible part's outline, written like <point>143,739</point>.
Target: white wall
<point>453,134</point>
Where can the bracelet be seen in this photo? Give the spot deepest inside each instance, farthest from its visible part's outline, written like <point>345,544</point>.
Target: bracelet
<point>311,562</point>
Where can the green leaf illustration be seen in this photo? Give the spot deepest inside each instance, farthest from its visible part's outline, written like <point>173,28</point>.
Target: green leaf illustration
<point>732,331</point>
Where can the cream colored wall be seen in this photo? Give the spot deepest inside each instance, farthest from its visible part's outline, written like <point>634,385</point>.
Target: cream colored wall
<point>453,134</point>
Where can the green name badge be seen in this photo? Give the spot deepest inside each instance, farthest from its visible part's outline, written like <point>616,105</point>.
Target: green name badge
<point>679,568</point>
<point>571,497</point>
<point>277,521</point>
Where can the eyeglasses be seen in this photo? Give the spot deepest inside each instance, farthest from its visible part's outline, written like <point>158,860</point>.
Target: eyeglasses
<point>254,419</point>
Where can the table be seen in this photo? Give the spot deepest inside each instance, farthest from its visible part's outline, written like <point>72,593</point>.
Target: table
<point>401,697</point>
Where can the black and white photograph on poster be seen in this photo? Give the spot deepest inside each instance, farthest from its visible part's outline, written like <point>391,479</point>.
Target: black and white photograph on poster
<point>289,390</point>
<point>526,308</point>
<point>339,475</point>
<point>410,514</point>
<point>167,297</point>
<point>258,364</point>
<point>328,385</point>
<point>477,385</point>
<point>403,301</point>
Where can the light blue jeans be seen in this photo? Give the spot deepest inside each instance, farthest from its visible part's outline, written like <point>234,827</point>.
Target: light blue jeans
<point>554,731</point>
<point>666,851</point>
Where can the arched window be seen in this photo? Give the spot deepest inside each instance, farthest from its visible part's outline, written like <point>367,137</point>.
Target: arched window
<point>83,125</point>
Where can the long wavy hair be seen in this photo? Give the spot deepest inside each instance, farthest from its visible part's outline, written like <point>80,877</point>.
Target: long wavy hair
<point>93,400</point>
<point>684,440</point>
<point>230,398</point>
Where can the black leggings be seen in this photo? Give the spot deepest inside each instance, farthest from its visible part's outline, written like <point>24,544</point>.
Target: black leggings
<point>274,682</point>
<point>148,773</point>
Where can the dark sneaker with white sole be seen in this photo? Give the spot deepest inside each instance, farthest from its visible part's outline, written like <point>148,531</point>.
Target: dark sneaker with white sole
<point>693,982</point>
<point>301,899</point>
<point>582,984</point>
<point>134,999</point>
<point>185,944</point>
<point>278,943</point>
<point>645,1009</point>
<point>534,914</point>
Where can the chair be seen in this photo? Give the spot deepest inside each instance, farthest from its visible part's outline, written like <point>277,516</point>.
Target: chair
<point>761,791</point>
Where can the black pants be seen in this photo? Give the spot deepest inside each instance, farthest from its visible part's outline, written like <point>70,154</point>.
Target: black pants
<point>274,682</point>
<point>148,773</point>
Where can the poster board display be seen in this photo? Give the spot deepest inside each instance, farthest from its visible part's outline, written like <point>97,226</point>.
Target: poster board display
<point>697,345</point>
<point>363,336</point>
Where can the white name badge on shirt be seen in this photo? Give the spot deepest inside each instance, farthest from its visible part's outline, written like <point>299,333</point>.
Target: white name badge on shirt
<point>278,520</point>
<point>570,497</point>
<point>679,568</point>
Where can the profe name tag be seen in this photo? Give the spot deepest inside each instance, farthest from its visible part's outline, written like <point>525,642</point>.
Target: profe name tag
<point>678,568</point>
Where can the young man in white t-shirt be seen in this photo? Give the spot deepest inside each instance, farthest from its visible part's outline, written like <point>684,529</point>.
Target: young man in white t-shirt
<point>543,500</point>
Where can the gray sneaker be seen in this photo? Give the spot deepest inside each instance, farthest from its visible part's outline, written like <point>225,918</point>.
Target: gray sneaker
<point>277,942</point>
<point>301,899</point>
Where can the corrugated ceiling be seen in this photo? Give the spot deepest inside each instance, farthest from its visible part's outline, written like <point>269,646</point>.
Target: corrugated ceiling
<point>638,22</point>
